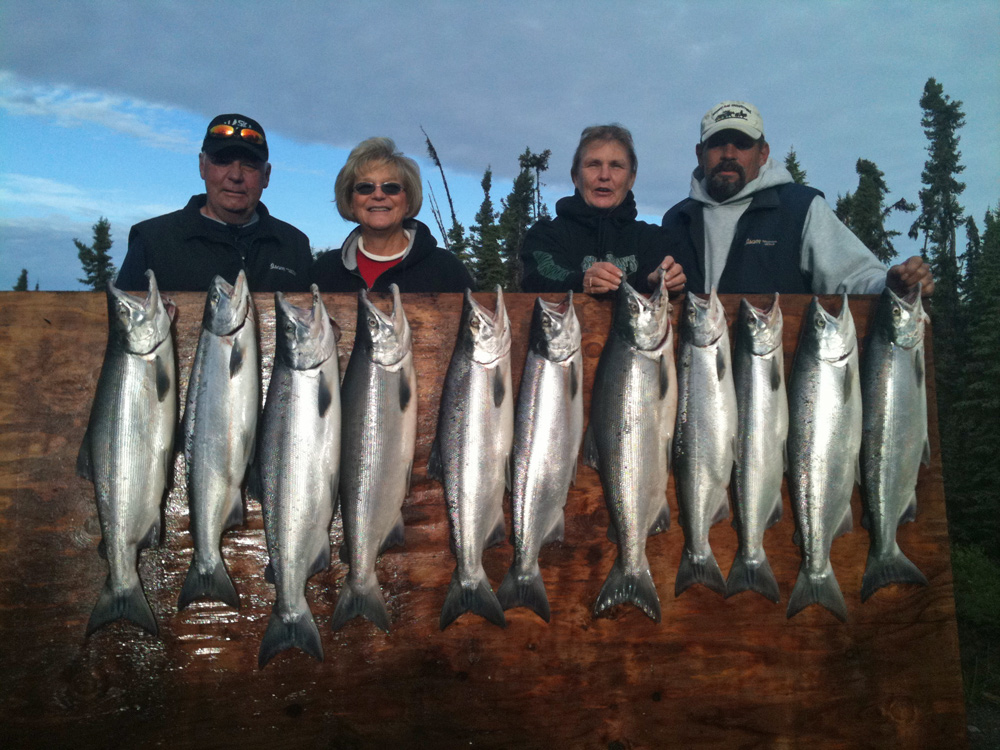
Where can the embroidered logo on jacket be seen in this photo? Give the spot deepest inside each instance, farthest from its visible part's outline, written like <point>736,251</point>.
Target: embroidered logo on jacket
<point>276,267</point>
<point>761,243</point>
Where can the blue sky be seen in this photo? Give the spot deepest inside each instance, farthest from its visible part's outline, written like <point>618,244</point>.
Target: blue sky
<point>103,104</point>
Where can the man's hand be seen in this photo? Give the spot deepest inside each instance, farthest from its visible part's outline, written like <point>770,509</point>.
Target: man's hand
<point>602,277</point>
<point>903,277</point>
<point>672,272</point>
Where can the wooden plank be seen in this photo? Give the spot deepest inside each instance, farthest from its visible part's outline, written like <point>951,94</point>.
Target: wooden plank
<point>713,673</point>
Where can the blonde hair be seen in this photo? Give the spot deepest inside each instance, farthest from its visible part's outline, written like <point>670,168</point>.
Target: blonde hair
<point>378,151</point>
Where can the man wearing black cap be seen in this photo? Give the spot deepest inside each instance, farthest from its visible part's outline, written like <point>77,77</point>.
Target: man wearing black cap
<point>224,230</point>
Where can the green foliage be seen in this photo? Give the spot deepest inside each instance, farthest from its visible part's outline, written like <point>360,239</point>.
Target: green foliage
<point>484,239</point>
<point>977,587</point>
<point>22,281</point>
<point>865,211</point>
<point>98,269</point>
<point>792,165</point>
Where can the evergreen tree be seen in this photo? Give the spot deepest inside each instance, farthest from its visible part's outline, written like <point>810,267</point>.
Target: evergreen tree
<point>516,217</point>
<point>865,211</point>
<point>96,261</point>
<point>973,251</point>
<point>485,240</point>
<point>538,163</point>
<point>792,165</point>
<point>22,281</point>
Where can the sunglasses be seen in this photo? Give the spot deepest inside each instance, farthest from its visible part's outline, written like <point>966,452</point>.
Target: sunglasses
<point>367,188</point>
<point>247,134</point>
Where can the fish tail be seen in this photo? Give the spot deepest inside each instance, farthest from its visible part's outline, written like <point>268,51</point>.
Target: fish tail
<point>751,575</point>
<point>284,631</point>
<point>822,589</point>
<point>881,571</point>
<point>524,591</point>
<point>637,589</point>
<point>130,604</point>
<point>214,584</point>
<point>478,599</point>
<point>364,600</point>
<point>705,572</point>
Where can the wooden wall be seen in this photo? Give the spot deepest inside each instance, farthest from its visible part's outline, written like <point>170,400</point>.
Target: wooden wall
<point>713,673</point>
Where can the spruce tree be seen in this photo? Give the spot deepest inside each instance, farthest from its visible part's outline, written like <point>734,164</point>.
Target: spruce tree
<point>864,212</point>
<point>485,240</point>
<point>792,165</point>
<point>96,261</point>
<point>515,219</point>
<point>22,281</point>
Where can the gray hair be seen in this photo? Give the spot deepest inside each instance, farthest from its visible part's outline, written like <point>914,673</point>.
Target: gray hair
<point>604,133</point>
<point>378,151</point>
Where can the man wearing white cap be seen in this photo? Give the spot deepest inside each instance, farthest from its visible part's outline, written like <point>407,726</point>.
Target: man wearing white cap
<point>752,229</point>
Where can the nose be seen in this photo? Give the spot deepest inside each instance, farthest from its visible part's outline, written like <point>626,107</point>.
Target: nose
<point>605,173</point>
<point>234,170</point>
<point>729,151</point>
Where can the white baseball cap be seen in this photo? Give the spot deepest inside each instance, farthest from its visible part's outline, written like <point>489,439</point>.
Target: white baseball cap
<point>741,116</point>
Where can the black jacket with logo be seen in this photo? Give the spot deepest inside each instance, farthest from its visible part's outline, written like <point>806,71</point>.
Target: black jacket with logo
<point>186,250</point>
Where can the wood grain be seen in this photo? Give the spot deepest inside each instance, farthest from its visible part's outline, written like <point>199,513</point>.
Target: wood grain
<point>714,673</point>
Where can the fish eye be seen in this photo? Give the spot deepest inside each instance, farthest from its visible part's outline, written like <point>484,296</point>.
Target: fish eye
<point>820,320</point>
<point>372,323</point>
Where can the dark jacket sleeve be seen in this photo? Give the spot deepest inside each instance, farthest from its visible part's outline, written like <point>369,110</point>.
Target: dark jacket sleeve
<point>132,275</point>
<point>548,266</point>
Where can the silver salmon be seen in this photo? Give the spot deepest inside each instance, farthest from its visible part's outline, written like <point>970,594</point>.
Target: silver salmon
<point>298,456</point>
<point>632,412</point>
<point>824,437</point>
<point>128,447</point>
<point>548,426</point>
<point>220,426</point>
<point>379,434</point>
<point>893,435</point>
<point>471,453</point>
<point>762,433</point>
<point>705,448</point>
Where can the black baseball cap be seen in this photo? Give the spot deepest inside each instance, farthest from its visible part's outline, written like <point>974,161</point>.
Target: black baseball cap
<point>236,132</point>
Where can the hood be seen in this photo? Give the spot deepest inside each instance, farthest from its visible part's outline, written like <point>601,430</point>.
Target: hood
<point>771,175</point>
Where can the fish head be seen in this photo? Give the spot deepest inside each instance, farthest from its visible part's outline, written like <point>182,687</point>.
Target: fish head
<point>484,335</point>
<point>385,338</point>
<point>305,336</point>
<point>641,322</point>
<point>555,331</point>
<point>704,320</point>
<point>227,305</point>
<point>139,326</point>
<point>761,327</point>
<point>828,338</point>
<point>901,319</point>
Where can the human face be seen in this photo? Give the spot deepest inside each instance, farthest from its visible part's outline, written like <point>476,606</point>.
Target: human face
<point>605,175</point>
<point>730,159</point>
<point>233,182</point>
<point>379,213</point>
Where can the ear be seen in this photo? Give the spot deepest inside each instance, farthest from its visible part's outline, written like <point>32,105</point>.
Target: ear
<point>266,176</point>
<point>697,152</point>
<point>765,152</point>
<point>201,164</point>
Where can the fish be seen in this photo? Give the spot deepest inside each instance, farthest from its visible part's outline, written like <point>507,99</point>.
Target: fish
<point>378,438</point>
<point>128,448</point>
<point>296,472</point>
<point>219,429</point>
<point>894,439</point>
<point>824,438</point>
<point>628,440</point>
<point>761,444</point>
<point>705,446</point>
<point>471,453</point>
<point>548,427</point>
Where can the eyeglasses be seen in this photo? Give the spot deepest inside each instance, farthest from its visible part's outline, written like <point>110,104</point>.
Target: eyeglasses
<point>247,134</point>
<point>367,188</point>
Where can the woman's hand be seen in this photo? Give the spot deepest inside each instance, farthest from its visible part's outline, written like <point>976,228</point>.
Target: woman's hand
<point>601,277</point>
<point>674,274</point>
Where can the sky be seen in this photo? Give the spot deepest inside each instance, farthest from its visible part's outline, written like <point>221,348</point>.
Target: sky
<point>103,104</point>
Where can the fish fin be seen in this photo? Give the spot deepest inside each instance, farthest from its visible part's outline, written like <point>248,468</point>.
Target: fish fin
<point>909,512</point>
<point>720,363</point>
<point>776,512</point>
<point>591,456</point>
<point>235,359</point>
<point>409,478</point>
<point>102,549</point>
<point>364,600</point>
<point>775,374</point>
<point>826,592</point>
<point>747,575</point>
<point>478,599</point>
<point>705,572</point>
<point>508,472</point>
<point>269,573</point>
<point>84,467</point>
<point>130,604</point>
<point>435,469</point>
<point>557,532</point>
<point>664,376</point>
<point>638,589</point>
<point>525,591</point>
<point>884,570</point>
<point>497,535</point>
<point>322,561</point>
<point>325,397</point>
<point>612,533</point>
<point>574,380</point>
<point>846,523</point>
<point>848,384</point>
<point>236,512</point>
<point>662,521</point>
<point>784,456</point>
<point>255,483</point>
<point>797,536</point>
<point>215,585</point>
<point>162,379</point>
<point>298,629</point>
<point>152,537</point>
<point>499,389</point>
<point>395,536</point>
<point>919,367</point>
<point>405,393</point>
<point>925,456</point>
<point>345,553</point>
